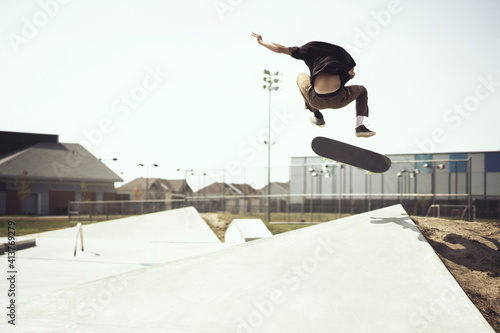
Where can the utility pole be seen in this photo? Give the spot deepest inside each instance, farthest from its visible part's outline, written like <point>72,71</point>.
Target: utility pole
<point>147,175</point>
<point>271,83</point>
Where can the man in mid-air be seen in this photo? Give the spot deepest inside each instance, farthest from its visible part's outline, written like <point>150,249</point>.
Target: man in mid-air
<point>331,67</point>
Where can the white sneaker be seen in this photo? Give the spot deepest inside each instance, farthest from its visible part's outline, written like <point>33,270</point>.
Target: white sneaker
<point>316,121</point>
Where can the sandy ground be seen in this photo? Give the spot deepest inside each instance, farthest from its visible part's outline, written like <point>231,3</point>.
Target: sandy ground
<point>218,224</point>
<point>470,251</point>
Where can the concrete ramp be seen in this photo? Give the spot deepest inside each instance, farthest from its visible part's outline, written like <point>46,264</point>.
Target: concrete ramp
<point>111,248</point>
<point>372,272</point>
<point>178,225</point>
<point>244,230</point>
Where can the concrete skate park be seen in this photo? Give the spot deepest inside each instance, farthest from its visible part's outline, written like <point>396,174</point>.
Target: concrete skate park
<point>168,272</point>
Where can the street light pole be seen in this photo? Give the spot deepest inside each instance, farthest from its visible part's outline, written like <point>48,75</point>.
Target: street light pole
<point>270,85</point>
<point>313,174</point>
<point>339,184</point>
<point>185,185</point>
<point>433,178</point>
<point>147,175</point>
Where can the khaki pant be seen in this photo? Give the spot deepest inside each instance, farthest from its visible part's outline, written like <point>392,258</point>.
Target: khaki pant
<point>315,102</point>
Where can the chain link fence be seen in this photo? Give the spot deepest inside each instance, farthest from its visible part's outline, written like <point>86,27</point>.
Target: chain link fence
<point>288,208</point>
<point>312,185</point>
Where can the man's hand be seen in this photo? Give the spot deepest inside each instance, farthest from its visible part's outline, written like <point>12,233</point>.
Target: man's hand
<point>259,37</point>
<point>275,47</point>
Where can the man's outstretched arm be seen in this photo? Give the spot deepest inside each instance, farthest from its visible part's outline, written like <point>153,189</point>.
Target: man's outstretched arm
<point>275,47</point>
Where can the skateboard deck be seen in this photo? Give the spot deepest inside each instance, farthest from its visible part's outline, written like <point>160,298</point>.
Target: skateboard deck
<point>349,154</point>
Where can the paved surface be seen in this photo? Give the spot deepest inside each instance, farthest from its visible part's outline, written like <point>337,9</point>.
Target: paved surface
<point>111,248</point>
<point>372,272</point>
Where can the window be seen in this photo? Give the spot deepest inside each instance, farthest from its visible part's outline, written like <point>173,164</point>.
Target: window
<point>420,166</point>
<point>492,162</point>
<point>459,166</point>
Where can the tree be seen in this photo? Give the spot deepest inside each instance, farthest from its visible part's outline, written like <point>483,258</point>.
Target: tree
<point>23,185</point>
<point>85,194</point>
<point>137,194</point>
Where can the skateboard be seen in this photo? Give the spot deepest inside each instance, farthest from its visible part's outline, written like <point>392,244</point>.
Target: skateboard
<point>349,154</point>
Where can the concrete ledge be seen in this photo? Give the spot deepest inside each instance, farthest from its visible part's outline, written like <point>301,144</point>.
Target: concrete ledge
<point>245,230</point>
<point>21,244</point>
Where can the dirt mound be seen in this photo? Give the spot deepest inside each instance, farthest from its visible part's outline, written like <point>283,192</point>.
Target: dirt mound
<point>471,252</point>
<point>217,223</point>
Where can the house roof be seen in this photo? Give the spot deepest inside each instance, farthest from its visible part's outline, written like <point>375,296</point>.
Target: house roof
<point>174,185</point>
<point>214,188</point>
<point>132,185</point>
<point>15,141</point>
<point>226,188</point>
<point>56,161</point>
<point>246,189</point>
<point>277,188</point>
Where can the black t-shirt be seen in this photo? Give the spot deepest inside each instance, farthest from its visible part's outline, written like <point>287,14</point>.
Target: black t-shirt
<point>323,57</point>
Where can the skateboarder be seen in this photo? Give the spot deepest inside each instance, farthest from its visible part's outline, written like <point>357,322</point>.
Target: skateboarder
<point>331,67</point>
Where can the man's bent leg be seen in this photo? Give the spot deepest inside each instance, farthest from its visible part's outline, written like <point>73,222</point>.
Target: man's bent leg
<point>346,96</point>
<point>359,94</point>
<point>304,83</point>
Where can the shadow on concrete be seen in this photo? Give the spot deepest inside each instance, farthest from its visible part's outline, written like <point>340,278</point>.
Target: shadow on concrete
<point>403,221</point>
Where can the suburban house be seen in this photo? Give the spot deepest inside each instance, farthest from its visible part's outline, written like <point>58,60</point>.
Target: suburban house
<point>235,198</point>
<point>39,175</point>
<point>227,189</point>
<point>279,195</point>
<point>154,189</point>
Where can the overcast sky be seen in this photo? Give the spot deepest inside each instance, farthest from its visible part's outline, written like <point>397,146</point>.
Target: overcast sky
<point>179,83</point>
